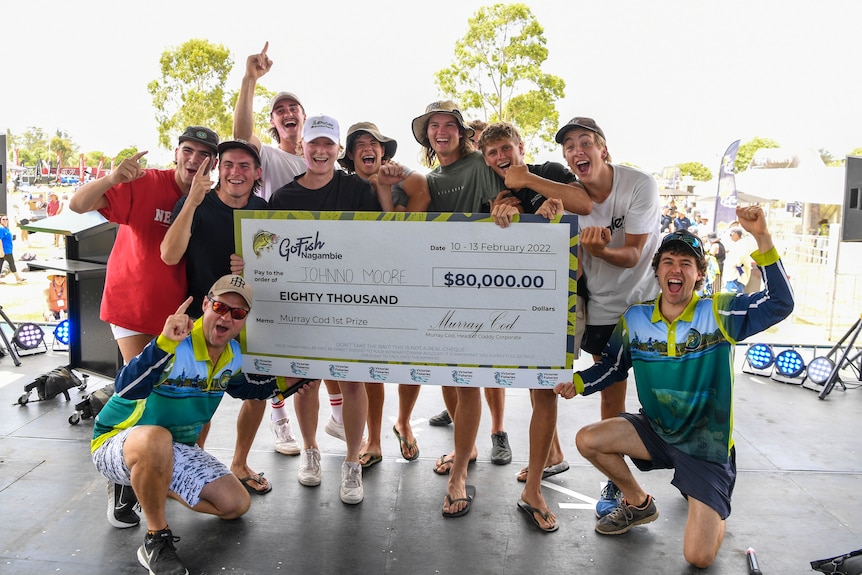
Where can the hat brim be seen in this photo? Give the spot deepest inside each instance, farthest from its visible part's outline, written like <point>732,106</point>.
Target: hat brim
<point>561,133</point>
<point>420,126</point>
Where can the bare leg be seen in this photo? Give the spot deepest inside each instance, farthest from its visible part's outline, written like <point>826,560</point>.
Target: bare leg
<point>704,533</point>
<point>407,396</point>
<point>496,398</point>
<point>133,345</point>
<point>605,443</point>
<point>376,397</point>
<point>543,425</point>
<point>355,413</point>
<point>149,454</point>
<point>466,420</point>
<point>247,423</point>
<point>306,405</point>
<point>613,397</point>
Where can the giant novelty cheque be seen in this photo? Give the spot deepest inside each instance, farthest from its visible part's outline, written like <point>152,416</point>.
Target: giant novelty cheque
<point>446,299</point>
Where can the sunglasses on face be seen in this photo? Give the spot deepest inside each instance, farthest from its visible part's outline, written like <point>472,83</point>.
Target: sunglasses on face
<point>222,308</point>
<point>690,239</point>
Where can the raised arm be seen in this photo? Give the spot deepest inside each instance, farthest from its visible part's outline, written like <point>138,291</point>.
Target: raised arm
<point>91,196</point>
<point>256,66</point>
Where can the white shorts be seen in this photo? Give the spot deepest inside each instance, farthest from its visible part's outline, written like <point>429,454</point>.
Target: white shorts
<point>194,468</point>
<point>121,332</point>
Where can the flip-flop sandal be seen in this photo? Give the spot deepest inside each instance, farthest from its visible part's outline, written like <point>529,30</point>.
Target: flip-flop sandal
<point>531,511</point>
<point>259,480</point>
<point>373,459</point>
<point>447,461</point>
<point>547,472</point>
<point>402,443</point>
<point>471,493</point>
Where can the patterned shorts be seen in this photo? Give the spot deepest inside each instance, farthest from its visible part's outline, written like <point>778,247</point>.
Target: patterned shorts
<point>194,468</point>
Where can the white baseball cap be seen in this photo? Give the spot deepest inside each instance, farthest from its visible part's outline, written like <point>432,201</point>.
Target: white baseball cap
<point>321,127</point>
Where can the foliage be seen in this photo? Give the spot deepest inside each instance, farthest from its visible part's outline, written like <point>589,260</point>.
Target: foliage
<point>497,73</point>
<point>190,90</point>
<point>746,152</point>
<point>696,170</point>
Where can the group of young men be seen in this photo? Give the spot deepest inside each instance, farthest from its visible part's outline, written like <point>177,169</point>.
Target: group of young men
<point>175,241</point>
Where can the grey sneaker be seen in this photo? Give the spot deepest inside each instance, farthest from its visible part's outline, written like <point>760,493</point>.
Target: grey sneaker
<point>285,442</point>
<point>626,516</point>
<point>442,419</point>
<point>309,469</point>
<point>501,453</point>
<point>159,555</point>
<point>122,502</point>
<point>351,483</point>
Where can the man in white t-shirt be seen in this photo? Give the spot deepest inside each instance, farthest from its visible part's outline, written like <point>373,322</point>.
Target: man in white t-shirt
<point>617,240</point>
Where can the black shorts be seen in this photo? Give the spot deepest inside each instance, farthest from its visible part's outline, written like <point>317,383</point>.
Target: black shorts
<point>596,338</point>
<point>709,482</point>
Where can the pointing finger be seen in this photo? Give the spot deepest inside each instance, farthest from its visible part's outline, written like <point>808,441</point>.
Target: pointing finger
<point>265,48</point>
<point>138,156</point>
<point>185,305</point>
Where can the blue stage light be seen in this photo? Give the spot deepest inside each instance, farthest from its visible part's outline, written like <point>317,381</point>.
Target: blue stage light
<point>789,363</point>
<point>61,332</point>
<point>760,356</point>
<point>820,369</point>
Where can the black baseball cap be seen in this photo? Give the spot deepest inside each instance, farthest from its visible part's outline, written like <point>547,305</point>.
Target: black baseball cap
<point>241,145</point>
<point>579,122</point>
<point>201,135</point>
<point>683,239</point>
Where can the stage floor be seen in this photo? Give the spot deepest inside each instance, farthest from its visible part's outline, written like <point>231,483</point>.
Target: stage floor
<point>797,496</point>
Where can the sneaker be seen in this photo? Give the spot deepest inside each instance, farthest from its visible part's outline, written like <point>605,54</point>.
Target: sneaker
<point>309,469</point>
<point>501,453</point>
<point>609,500</point>
<point>121,506</point>
<point>159,555</point>
<point>351,483</point>
<point>335,429</point>
<point>626,516</point>
<point>285,442</point>
<point>442,419</point>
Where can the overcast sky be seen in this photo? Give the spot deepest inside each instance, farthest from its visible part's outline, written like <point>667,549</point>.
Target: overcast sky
<point>668,81</point>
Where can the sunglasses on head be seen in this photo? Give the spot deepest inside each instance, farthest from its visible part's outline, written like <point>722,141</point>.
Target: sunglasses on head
<point>222,308</point>
<point>690,240</point>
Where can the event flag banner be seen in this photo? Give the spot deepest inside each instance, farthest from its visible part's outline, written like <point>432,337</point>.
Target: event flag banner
<point>725,201</point>
<point>425,298</point>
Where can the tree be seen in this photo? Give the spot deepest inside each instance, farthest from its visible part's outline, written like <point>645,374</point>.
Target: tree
<point>497,73</point>
<point>746,152</point>
<point>190,90</point>
<point>696,170</point>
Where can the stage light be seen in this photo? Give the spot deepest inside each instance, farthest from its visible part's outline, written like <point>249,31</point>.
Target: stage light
<point>820,369</point>
<point>28,336</point>
<point>61,332</point>
<point>789,363</point>
<point>760,356</point>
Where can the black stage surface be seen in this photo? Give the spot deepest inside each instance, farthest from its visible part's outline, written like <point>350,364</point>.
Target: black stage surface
<point>798,496</point>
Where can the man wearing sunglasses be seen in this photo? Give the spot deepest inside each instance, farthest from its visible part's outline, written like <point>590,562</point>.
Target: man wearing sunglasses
<point>681,348</point>
<point>145,435</point>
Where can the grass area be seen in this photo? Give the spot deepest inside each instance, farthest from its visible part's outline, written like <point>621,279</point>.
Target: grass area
<point>26,302</point>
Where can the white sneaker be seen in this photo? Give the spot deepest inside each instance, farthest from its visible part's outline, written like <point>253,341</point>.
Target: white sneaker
<point>335,429</point>
<point>351,483</point>
<point>285,442</point>
<point>309,469</point>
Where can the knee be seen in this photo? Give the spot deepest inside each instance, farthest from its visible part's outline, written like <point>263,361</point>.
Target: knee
<point>237,507</point>
<point>149,444</point>
<point>698,556</point>
<point>585,441</point>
